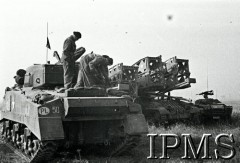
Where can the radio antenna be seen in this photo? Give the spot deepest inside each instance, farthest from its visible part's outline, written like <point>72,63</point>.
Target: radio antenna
<point>47,47</point>
<point>207,74</point>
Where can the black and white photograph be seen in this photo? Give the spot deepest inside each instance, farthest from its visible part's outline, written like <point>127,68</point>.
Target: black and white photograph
<point>119,81</point>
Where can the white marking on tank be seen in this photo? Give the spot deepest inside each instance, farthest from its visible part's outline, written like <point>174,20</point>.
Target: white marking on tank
<point>44,111</point>
<point>13,105</point>
<point>55,109</point>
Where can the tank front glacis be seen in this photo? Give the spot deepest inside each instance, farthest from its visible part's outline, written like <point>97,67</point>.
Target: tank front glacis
<point>213,108</point>
<point>168,110</point>
<point>37,116</point>
<point>164,111</point>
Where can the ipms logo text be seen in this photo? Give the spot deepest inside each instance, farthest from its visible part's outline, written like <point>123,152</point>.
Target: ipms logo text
<point>189,146</point>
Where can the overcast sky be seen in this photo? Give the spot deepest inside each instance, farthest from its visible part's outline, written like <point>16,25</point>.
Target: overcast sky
<point>206,32</point>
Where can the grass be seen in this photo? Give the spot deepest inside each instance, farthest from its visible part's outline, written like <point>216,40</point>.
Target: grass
<point>196,132</point>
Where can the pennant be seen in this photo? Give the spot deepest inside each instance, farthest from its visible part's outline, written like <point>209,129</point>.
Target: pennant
<point>48,44</point>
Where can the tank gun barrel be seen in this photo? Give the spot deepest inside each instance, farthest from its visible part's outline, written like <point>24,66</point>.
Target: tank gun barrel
<point>206,93</point>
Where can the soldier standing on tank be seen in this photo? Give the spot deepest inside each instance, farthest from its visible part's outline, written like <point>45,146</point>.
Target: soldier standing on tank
<point>69,56</point>
<point>19,79</point>
<point>93,70</point>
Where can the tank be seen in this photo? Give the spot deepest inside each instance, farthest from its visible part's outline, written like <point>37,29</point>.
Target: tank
<point>39,121</point>
<point>154,78</point>
<point>213,109</point>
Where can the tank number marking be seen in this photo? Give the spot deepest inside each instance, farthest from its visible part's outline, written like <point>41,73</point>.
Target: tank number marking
<point>55,109</point>
<point>43,111</point>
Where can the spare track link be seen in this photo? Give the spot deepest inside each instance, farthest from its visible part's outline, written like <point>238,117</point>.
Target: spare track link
<point>129,143</point>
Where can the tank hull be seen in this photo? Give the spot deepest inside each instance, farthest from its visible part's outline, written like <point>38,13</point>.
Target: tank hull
<point>45,119</point>
<point>213,109</point>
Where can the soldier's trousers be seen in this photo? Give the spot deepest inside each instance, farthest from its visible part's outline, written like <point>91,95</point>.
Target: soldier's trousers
<point>69,71</point>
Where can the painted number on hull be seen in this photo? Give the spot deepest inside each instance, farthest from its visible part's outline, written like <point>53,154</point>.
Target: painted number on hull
<point>43,111</point>
<point>55,109</point>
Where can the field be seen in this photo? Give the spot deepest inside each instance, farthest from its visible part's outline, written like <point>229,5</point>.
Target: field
<point>196,131</point>
<point>140,154</point>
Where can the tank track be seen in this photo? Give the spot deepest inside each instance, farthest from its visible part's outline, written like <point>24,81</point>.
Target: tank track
<point>130,142</point>
<point>45,152</point>
<point>33,151</point>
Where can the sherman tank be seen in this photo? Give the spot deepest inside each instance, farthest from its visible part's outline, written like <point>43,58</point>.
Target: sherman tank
<point>153,79</point>
<point>39,121</point>
<point>213,108</point>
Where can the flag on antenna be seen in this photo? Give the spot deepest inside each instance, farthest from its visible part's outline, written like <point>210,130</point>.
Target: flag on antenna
<point>48,44</point>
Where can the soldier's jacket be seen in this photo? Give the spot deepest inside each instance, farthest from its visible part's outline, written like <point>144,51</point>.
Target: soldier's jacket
<point>92,70</point>
<point>69,47</point>
<point>94,63</point>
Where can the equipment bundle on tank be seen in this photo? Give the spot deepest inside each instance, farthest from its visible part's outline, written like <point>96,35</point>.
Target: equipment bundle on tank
<point>38,120</point>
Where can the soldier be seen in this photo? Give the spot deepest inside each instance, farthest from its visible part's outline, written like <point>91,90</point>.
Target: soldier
<point>69,56</point>
<point>19,79</point>
<point>93,70</point>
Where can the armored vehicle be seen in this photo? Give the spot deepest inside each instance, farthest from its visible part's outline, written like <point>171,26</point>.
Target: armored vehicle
<point>213,108</point>
<point>154,78</point>
<point>38,120</point>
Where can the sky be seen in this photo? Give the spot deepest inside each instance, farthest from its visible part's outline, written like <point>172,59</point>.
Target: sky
<point>206,32</point>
